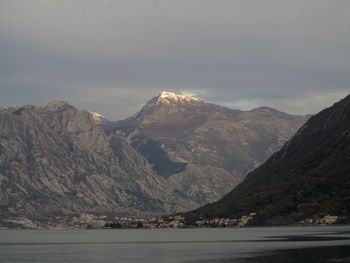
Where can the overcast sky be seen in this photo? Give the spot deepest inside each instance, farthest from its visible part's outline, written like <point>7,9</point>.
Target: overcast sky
<point>112,56</point>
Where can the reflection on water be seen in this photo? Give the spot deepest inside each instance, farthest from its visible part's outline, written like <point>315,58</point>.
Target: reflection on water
<point>310,255</point>
<point>246,245</point>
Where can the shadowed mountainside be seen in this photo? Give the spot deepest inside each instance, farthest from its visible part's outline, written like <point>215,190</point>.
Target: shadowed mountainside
<point>309,176</point>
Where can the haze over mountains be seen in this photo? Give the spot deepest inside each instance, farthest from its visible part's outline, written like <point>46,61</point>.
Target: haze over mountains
<point>177,153</point>
<point>309,176</point>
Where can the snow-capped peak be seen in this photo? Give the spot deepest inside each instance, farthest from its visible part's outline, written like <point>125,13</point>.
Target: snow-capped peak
<point>97,116</point>
<point>171,97</point>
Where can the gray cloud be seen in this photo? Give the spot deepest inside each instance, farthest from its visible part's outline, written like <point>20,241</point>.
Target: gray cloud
<point>112,56</point>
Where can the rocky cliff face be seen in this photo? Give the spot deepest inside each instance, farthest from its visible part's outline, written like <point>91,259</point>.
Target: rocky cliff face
<point>309,176</point>
<point>203,150</point>
<point>58,160</point>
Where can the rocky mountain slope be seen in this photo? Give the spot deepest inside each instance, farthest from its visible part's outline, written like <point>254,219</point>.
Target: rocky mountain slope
<point>57,160</point>
<point>177,153</point>
<point>203,150</point>
<point>309,176</point>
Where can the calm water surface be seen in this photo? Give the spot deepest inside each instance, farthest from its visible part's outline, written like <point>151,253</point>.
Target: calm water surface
<point>245,245</point>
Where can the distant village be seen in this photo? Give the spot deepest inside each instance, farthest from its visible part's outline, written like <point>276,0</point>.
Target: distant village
<point>90,221</point>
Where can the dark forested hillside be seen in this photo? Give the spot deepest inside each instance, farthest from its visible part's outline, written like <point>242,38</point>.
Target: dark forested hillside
<point>309,176</point>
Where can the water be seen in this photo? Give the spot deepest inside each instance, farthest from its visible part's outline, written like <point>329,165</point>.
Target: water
<point>245,245</point>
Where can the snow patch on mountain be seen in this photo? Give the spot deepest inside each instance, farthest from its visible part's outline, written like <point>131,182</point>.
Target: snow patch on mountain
<point>171,97</point>
<point>97,117</point>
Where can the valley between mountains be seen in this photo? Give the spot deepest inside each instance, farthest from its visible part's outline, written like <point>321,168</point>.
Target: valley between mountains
<point>176,154</point>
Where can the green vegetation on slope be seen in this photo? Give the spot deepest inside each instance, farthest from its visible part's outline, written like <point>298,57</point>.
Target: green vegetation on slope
<point>309,176</point>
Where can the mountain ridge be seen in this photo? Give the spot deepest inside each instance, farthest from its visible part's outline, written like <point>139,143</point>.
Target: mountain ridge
<point>184,136</point>
<point>58,160</point>
<point>308,177</point>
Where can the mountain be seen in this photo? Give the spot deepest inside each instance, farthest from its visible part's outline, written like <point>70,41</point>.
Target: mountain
<point>176,153</point>
<point>203,150</point>
<point>57,160</point>
<point>309,176</point>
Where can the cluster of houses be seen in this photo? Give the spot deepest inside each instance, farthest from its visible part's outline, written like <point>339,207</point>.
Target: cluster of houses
<point>325,220</point>
<point>146,223</point>
<point>225,222</point>
<point>90,221</point>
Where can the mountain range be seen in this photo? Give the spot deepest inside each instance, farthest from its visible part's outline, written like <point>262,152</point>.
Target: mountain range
<point>176,153</point>
<point>57,160</point>
<point>309,177</point>
<point>203,149</point>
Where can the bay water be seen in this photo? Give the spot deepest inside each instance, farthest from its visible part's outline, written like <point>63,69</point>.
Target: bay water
<point>262,244</point>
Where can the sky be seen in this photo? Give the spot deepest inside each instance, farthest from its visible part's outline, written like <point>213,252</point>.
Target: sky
<point>113,56</point>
